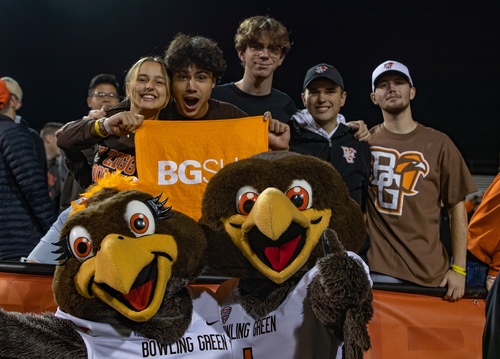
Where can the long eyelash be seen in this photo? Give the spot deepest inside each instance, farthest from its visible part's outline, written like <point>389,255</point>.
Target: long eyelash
<point>158,208</point>
<point>63,250</point>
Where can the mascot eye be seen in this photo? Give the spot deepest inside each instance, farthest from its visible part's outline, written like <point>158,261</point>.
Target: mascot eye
<point>140,219</point>
<point>139,223</point>
<point>80,243</point>
<point>300,193</point>
<point>245,199</point>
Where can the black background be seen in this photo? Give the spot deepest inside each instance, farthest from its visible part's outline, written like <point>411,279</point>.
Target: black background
<point>53,48</point>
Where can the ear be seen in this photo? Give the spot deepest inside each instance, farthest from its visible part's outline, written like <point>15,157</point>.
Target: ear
<point>303,97</point>
<point>343,97</point>
<point>89,102</point>
<point>17,105</point>
<point>281,60</point>
<point>241,55</point>
<point>413,92</point>
<point>374,98</point>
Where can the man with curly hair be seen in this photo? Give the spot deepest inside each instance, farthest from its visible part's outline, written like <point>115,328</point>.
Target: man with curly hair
<point>262,44</point>
<point>194,65</point>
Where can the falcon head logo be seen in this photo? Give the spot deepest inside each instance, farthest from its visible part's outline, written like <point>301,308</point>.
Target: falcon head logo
<point>321,69</point>
<point>410,166</point>
<point>388,65</point>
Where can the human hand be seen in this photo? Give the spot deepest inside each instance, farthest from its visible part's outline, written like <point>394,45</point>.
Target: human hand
<point>95,114</point>
<point>123,123</point>
<point>279,133</point>
<point>362,134</point>
<point>456,285</point>
<point>106,107</point>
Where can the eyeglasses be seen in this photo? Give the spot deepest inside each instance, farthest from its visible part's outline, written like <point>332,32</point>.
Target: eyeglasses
<point>272,50</point>
<point>105,94</point>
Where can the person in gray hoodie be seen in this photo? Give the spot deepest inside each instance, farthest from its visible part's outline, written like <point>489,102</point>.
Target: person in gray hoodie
<point>321,131</point>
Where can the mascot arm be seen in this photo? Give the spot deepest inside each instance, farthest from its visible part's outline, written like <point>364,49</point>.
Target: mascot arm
<point>39,336</point>
<point>341,298</point>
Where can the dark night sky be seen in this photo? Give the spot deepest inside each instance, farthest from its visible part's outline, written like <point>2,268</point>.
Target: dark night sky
<point>54,47</point>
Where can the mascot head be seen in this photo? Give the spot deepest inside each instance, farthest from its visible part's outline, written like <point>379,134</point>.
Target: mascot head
<point>265,215</point>
<point>120,249</point>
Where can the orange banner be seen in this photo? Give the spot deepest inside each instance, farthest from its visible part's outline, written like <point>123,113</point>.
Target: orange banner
<point>418,326</point>
<point>404,325</point>
<point>180,157</point>
<point>26,293</point>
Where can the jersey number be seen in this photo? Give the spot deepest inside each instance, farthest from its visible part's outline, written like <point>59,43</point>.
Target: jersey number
<point>247,353</point>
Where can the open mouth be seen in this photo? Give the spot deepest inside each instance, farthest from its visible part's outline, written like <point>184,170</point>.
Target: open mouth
<point>142,291</point>
<point>191,102</point>
<point>278,254</point>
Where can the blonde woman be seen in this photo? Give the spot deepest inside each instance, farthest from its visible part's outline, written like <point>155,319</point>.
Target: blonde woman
<point>148,91</point>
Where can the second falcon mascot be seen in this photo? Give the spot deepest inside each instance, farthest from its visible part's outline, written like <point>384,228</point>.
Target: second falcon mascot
<point>278,222</point>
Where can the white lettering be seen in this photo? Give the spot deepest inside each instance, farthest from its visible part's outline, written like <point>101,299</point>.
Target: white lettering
<point>189,171</point>
<point>195,175</point>
<point>166,172</point>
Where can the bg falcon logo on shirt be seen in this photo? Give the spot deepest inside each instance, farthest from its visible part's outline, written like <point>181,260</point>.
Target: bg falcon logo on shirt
<point>395,176</point>
<point>349,154</point>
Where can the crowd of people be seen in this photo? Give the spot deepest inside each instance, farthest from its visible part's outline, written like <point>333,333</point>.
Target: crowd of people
<point>401,172</point>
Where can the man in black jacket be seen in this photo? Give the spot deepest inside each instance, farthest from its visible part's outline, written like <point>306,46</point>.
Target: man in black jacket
<point>25,205</point>
<point>320,130</point>
<point>16,99</point>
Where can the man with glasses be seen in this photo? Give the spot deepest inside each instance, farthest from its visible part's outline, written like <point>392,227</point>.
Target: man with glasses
<point>262,44</point>
<point>103,92</point>
<point>102,95</point>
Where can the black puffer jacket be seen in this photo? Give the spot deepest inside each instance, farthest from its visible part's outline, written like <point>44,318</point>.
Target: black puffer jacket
<point>25,207</point>
<point>491,333</point>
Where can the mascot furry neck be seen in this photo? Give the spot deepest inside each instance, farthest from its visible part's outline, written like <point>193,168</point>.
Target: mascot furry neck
<point>279,222</point>
<point>121,285</point>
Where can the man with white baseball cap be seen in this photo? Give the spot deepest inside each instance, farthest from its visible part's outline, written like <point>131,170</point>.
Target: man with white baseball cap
<point>390,67</point>
<point>415,169</point>
<point>14,88</point>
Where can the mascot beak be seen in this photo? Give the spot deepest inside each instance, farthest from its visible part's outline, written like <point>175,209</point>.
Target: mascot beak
<point>273,213</point>
<point>129,274</point>
<point>276,237</point>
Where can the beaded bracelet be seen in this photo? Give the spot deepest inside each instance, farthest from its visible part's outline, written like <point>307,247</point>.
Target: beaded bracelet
<point>97,129</point>
<point>458,269</point>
